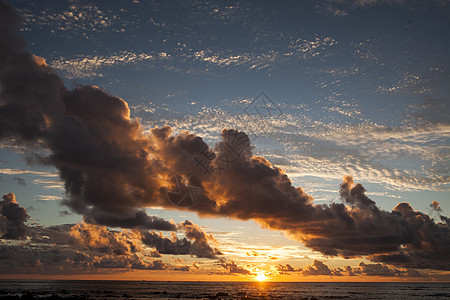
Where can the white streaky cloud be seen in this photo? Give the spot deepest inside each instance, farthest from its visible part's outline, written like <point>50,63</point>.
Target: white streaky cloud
<point>21,172</point>
<point>47,198</point>
<point>50,184</point>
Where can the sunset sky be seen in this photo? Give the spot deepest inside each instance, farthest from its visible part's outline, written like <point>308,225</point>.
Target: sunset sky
<point>225,140</point>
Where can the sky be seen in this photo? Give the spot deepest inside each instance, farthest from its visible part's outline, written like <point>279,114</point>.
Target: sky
<point>225,140</point>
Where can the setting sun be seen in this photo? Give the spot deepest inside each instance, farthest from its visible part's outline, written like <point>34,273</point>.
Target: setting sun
<point>261,277</point>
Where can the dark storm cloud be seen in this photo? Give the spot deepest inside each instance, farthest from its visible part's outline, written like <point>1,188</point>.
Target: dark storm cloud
<point>139,220</point>
<point>435,206</point>
<point>200,246</point>
<point>428,243</point>
<point>405,237</point>
<point>12,218</point>
<point>113,170</point>
<point>100,153</point>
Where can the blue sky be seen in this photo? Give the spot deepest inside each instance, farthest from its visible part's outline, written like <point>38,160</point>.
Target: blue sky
<point>359,88</point>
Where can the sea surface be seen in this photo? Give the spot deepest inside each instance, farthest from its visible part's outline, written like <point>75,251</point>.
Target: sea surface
<point>74,289</point>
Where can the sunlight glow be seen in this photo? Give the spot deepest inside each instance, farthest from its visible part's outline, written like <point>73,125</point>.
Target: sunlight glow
<point>261,277</point>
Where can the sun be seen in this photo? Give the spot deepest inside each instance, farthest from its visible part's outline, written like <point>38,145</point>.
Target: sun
<point>261,277</point>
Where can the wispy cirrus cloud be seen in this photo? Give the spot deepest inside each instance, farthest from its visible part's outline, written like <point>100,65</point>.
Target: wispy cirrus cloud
<point>298,50</point>
<point>342,8</point>
<point>92,66</point>
<point>9,171</point>
<point>47,198</point>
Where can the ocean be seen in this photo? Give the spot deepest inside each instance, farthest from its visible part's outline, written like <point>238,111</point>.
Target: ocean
<point>77,289</point>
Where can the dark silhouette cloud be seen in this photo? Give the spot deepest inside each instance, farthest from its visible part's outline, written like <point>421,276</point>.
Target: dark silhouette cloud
<point>85,248</point>
<point>319,268</point>
<point>195,243</point>
<point>383,270</point>
<point>48,259</point>
<point>139,220</point>
<point>286,269</point>
<point>232,268</point>
<point>12,218</point>
<point>113,170</point>
<point>363,269</point>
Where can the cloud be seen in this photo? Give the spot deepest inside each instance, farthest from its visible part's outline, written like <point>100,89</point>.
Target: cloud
<point>383,270</point>
<point>112,170</point>
<point>86,248</point>
<point>201,239</point>
<point>403,236</point>
<point>101,239</point>
<point>318,268</point>
<point>47,259</point>
<point>328,150</point>
<point>435,206</point>
<point>286,269</point>
<point>48,198</point>
<point>363,269</point>
<point>136,219</point>
<point>20,172</point>
<point>195,243</point>
<point>76,18</point>
<point>50,184</point>
<point>232,268</point>
<point>12,218</point>
<point>126,242</point>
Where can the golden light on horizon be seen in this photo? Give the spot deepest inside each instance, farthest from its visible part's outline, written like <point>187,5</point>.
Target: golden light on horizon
<point>261,277</point>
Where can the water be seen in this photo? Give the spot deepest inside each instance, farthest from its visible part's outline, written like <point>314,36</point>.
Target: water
<point>57,289</point>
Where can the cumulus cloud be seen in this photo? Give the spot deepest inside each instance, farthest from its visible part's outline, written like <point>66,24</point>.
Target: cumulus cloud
<point>232,268</point>
<point>363,269</point>
<point>195,243</point>
<point>403,236</point>
<point>317,268</point>
<point>383,270</point>
<point>47,259</point>
<point>86,248</point>
<point>112,170</point>
<point>285,269</point>
<point>101,239</point>
<point>12,218</point>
